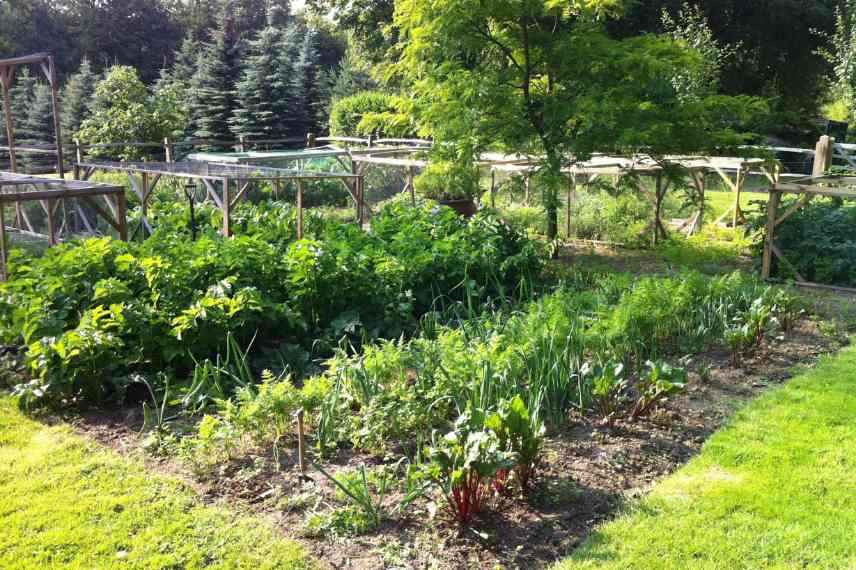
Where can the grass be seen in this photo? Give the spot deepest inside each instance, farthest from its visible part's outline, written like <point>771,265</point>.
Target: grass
<point>67,503</point>
<point>776,489</point>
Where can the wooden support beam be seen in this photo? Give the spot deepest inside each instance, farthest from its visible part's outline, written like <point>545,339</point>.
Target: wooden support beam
<point>54,85</point>
<point>769,236</point>
<point>226,207</point>
<point>822,155</point>
<point>240,194</point>
<point>6,75</point>
<point>122,215</point>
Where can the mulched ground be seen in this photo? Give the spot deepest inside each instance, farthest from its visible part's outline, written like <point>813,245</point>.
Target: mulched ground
<point>589,471</point>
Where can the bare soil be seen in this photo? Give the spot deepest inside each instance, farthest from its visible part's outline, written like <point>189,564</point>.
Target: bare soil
<point>588,473</point>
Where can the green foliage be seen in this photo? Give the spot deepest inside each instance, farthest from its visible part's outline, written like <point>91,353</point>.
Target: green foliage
<point>123,110</point>
<point>608,386</point>
<point>370,112</point>
<point>659,382</point>
<point>819,242</point>
<point>168,303</point>
<point>547,80</point>
<point>359,491</point>
<point>75,96</point>
<point>462,463</point>
<point>521,434</point>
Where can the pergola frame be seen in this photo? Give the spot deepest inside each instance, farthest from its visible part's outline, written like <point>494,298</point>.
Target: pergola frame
<point>7,78</point>
<point>843,187</point>
<point>218,180</point>
<point>50,193</point>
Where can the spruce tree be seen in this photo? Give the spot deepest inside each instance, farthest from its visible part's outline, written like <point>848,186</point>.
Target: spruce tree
<point>37,128</point>
<point>305,85</point>
<point>289,118</point>
<point>258,92</point>
<point>178,79</point>
<point>74,100</point>
<point>212,101</point>
<point>21,98</point>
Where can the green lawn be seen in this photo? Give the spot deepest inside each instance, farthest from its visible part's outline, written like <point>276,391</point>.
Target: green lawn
<point>67,503</point>
<point>776,489</point>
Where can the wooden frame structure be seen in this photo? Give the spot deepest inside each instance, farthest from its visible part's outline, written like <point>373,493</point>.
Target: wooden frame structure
<point>50,193</point>
<point>843,187</point>
<point>218,180</point>
<point>7,78</point>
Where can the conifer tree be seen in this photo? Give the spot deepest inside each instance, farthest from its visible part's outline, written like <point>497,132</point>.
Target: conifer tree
<point>211,100</point>
<point>37,128</point>
<point>305,85</point>
<point>74,100</point>
<point>289,119</point>
<point>259,91</point>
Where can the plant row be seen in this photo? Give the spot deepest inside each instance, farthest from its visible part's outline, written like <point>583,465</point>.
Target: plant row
<point>95,316</point>
<point>468,405</point>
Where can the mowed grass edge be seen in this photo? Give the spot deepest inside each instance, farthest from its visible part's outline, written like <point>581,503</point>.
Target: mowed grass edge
<point>68,503</point>
<point>775,489</point>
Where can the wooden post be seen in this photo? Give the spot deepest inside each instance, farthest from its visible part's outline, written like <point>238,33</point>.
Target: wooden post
<point>371,141</point>
<point>241,146</point>
<point>144,202</point>
<point>3,267</point>
<point>227,210</point>
<point>361,201</point>
<point>492,188</point>
<point>6,75</point>
<point>168,151</point>
<point>772,213</point>
<point>122,216</point>
<point>738,186</point>
<point>410,185</point>
<point>310,140</point>
<point>822,155</point>
<point>78,158</point>
<point>572,188</point>
<point>301,444</point>
<point>54,85</point>
<point>49,214</point>
<point>299,208</point>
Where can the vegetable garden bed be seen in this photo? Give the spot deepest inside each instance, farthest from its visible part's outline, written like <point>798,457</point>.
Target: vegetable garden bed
<point>589,465</point>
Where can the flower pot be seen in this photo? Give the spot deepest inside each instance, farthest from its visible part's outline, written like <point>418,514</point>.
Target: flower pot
<point>465,207</point>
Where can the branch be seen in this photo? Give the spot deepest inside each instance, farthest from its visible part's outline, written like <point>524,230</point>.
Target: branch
<point>485,33</point>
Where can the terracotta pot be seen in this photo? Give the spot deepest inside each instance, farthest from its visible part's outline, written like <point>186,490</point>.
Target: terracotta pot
<point>465,207</point>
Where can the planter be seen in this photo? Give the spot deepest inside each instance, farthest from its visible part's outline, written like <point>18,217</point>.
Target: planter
<point>465,207</point>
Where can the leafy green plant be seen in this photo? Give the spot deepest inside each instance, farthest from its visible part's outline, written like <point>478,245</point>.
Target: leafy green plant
<point>521,435</point>
<point>659,382</point>
<point>462,463</point>
<point>608,386</point>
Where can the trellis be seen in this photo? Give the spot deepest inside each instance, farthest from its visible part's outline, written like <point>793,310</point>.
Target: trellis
<point>218,180</point>
<point>7,76</point>
<point>50,193</point>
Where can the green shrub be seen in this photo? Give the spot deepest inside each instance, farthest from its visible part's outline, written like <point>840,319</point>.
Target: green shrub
<point>370,112</point>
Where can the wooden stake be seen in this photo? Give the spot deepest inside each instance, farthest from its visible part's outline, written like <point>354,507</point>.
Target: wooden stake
<point>168,151</point>
<point>410,185</point>
<point>492,188</point>
<point>301,444</point>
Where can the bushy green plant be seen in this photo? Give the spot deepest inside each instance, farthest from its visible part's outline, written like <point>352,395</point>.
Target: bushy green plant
<point>180,300</point>
<point>608,386</point>
<point>462,463</point>
<point>658,382</point>
<point>521,434</point>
